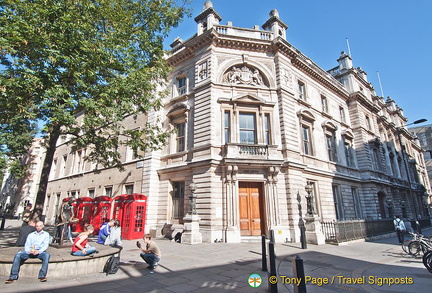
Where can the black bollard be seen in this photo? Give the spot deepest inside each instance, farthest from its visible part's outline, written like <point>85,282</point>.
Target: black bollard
<point>3,222</point>
<point>298,272</point>
<point>303,237</point>
<point>272,275</point>
<point>264,253</point>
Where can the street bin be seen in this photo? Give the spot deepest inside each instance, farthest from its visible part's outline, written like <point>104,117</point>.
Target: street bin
<point>83,212</point>
<point>134,215</point>
<point>101,211</point>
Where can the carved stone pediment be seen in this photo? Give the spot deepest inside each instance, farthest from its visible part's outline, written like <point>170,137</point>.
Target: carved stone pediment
<point>248,99</point>
<point>244,74</point>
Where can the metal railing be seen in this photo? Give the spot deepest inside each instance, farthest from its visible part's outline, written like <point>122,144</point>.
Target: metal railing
<point>342,231</point>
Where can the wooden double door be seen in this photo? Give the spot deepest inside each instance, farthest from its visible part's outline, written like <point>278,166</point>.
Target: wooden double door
<point>251,205</point>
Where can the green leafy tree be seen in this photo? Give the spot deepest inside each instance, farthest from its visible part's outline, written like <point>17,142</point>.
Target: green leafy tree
<point>101,57</point>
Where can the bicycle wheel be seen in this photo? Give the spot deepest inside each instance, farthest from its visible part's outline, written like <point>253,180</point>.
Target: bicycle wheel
<point>405,245</point>
<point>414,248</point>
<point>427,260</point>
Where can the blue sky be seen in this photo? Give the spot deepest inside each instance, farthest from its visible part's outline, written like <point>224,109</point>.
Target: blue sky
<point>392,37</point>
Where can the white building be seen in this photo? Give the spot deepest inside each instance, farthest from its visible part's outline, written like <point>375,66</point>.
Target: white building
<point>256,121</point>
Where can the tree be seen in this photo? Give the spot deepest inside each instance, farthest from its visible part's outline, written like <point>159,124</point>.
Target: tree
<point>103,57</point>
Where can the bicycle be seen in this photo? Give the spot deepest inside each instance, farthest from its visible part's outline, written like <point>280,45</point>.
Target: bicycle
<point>427,260</point>
<point>419,246</point>
<point>406,243</point>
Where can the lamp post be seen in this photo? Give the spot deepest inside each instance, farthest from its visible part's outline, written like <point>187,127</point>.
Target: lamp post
<point>398,130</point>
<point>389,202</point>
<point>309,199</point>
<point>192,199</point>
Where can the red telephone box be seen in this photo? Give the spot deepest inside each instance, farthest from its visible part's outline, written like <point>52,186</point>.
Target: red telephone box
<point>83,212</point>
<point>117,207</point>
<point>101,211</point>
<point>134,215</point>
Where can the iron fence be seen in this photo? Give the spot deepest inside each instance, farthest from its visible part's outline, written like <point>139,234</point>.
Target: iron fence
<point>342,231</point>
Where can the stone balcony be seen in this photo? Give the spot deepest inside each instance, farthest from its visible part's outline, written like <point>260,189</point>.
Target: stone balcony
<point>256,152</point>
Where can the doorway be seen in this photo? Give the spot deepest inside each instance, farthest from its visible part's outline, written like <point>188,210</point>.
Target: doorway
<point>251,205</point>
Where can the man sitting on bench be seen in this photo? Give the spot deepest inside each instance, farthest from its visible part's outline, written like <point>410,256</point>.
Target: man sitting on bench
<point>35,247</point>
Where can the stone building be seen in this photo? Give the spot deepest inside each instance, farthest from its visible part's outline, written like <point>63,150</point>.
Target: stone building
<point>424,136</point>
<point>256,121</point>
<point>17,193</point>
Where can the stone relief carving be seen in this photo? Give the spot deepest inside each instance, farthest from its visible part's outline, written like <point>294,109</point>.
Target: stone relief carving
<point>286,77</point>
<point>202,71</point>
<point>243,75</point>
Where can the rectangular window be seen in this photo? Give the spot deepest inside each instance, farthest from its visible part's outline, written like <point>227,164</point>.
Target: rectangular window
<point>91,193</point>
<point>349,153</point>
<point>129,189</point>
<point>63,166</point>
<point>338,202</point>
<point>356,201</point>
<point>301,91</point>
<point>108,191</point>
<point>331,147</point>
<point>307,144</point>
<point>376,159</point>
<point>324,105</point>
<point>178,200</point>
<point>182,85</point>
<point>368,123</point>
<point>181,136</point>
<point>267,129</point>
<point>227,126</point>
<point>247,128</point>
<point>342,114</point>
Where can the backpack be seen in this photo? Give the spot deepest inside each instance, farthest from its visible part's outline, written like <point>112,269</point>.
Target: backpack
<point>112,265</point>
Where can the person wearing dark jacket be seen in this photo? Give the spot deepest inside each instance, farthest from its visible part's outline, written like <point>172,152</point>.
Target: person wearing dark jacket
<point>24,232</point>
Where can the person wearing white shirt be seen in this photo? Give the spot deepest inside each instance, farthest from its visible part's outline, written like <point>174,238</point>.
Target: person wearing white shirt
<point>35,247</point>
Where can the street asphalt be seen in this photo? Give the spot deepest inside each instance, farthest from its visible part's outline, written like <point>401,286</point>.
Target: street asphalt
<point>359,266</point>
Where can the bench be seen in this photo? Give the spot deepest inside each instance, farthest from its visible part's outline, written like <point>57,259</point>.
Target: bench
<point>62,263</point>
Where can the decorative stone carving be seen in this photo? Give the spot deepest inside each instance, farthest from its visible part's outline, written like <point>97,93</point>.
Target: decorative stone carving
<point>286,78</point>
<point>202,71</point>
<point>244,75</point>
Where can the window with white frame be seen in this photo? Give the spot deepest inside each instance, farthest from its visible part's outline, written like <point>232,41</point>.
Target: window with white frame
<point>301,90</point>
<point>91,192</point>
<point>129,188</point>
<point>331,145</point>
<point>181,85</point>
<point>227,126</point>
<point>247,128</point>
<point>307,140</point>
<point>267,132</point>
<point>342,114</point>
<point>181,136</point>
<point>246,120</point>
<point>108,191</point>
<point>324,104</point>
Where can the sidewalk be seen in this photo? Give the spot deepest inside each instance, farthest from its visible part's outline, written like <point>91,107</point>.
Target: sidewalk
<point>222,267</point>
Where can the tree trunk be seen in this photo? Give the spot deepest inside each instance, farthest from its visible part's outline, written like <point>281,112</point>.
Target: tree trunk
<point>49,157</point>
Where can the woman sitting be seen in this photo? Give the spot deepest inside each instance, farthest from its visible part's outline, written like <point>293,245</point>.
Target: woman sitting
<point>81,246</point>
<point>114,238</point>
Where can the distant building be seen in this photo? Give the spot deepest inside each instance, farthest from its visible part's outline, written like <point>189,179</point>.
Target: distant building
<point>424,136</point>
<point>256,121</point>
<point>17,193</point>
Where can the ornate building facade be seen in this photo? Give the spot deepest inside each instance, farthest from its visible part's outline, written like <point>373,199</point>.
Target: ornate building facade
<point>255,121</point>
